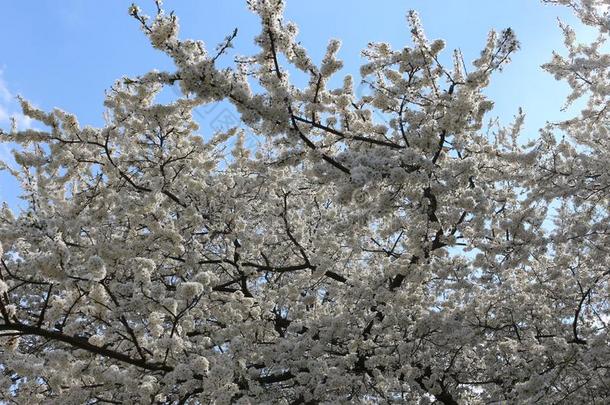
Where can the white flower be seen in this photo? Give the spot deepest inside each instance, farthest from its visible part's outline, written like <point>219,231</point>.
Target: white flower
<point>189,290</point>
<point>163,31</point>
<point>204,278</point>
<point>201,364</point>
<point>3,287</point>
<point>96,340</point>
<point>96,268</point>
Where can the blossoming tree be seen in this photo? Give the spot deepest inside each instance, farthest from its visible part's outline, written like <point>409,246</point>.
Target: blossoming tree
<point>375,248</point>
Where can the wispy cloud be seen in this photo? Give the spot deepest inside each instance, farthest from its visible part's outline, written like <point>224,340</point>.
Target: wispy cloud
<point>5,94</point>
<point>4,116</point>
<point>9,107</point>
<point>5,99</point>
<point>10,110</point>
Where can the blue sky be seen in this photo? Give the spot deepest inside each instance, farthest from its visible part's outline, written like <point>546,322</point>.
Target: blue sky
<point>66,53</point>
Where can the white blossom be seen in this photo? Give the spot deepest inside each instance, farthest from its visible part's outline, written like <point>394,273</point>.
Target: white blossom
<point>96,268</point>
<point>189,290</point>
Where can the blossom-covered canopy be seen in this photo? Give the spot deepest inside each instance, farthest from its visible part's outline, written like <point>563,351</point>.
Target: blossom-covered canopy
<point>389,247</point>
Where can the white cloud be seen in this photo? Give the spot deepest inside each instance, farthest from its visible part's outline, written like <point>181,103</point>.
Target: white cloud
<point>9,108</point>
<point>4,115</point>
<point>5,101</point>
<point>5,94</point>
